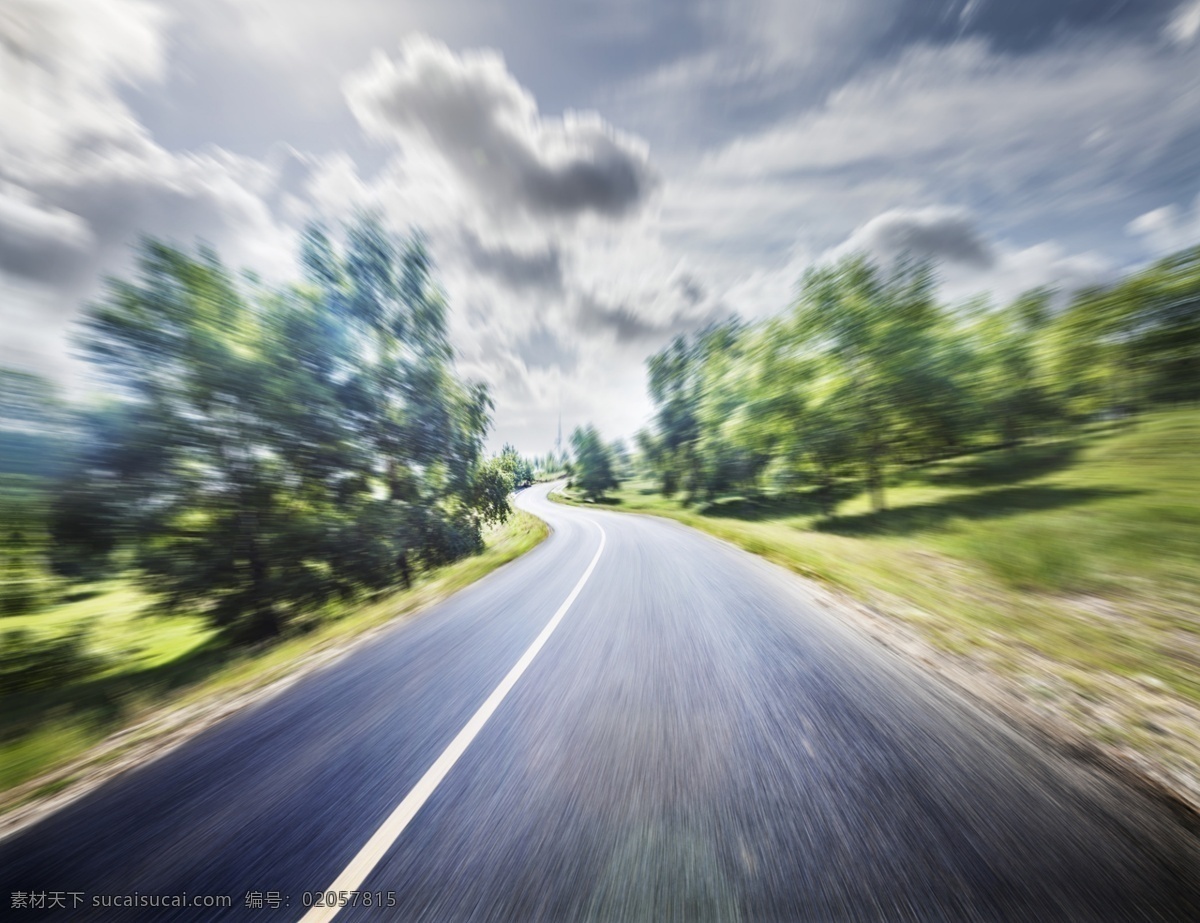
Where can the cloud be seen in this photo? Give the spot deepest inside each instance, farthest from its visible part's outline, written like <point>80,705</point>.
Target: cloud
<point>619,320</point>
<point>1168,228</point>
<point>969,263</point>
<point>542,348</point>
<point>81,177</point>
<point>811,32</point>
<point>751,62</point>
<point>515,268</point>
<point>113,199</point>
<point>37,240</point>
<point>690,288</point>
<point>471,112</point>
<point>970,11</point>
<point>1056,144</point>
<point>1184,25</point>
<point>785,129</point>
<point>1047,264</point>
<point>944,235</point>
<point>667,317</point>
<point>89,47</point>
<point>968,119</point>
<point>63,64</point>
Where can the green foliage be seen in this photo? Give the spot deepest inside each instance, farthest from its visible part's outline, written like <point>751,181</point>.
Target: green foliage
<point>26,579</point>
<point>519,469</point>
<point>1134,344</point>
<point>868,375</point>
<point>29,663</point>
<point>593,468</point>
<point>271,450</point>
<point>493,485</point>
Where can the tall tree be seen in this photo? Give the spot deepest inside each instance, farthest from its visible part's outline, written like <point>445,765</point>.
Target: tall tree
<point>272,449</point>
<point>874,331</point>
<point>593,469</point>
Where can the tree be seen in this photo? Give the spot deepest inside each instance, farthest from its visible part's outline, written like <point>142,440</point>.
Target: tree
<point>868,372</point>
<point>873,332</point>
<point>674,388</point>
<point>519,469</point>
<point>593,468</point>
<point>269,450</point>
<point>1008,381</point>
<point>1123,347</point>
<point>683,384</point>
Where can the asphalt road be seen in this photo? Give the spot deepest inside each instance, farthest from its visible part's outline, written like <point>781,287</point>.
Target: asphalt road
<point>694,740</point>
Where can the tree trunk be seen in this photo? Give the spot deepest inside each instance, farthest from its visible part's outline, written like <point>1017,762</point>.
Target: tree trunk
<point>264,620</point>
<point>404,568</point>
<point>875,478</point>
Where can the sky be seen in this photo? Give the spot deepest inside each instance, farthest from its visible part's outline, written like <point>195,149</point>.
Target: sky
<point>594,178</point>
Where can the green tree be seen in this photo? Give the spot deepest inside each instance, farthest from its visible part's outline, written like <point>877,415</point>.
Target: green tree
<point>873,332</point>
<point>1120,348</point>
<point>593,467</point>
<point>519,468</point>
<point>270,450</point>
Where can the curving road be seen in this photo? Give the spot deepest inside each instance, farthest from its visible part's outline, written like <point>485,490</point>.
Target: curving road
<point>691,738</point>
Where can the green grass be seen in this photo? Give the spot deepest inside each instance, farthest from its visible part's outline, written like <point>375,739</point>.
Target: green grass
<point>1073,562</point>
<point>144,662</point>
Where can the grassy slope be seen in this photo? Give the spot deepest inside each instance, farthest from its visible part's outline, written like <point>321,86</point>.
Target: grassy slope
<point>1070,569</point>
<point>153,661</point>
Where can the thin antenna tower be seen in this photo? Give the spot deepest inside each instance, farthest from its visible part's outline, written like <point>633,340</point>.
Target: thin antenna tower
<point>558,439</point>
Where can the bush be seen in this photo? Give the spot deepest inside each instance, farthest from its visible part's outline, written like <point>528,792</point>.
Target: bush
<point>28,662</point>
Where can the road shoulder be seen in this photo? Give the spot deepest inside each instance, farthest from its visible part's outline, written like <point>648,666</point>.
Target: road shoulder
<point>150,736</point>
<point>993,691</point>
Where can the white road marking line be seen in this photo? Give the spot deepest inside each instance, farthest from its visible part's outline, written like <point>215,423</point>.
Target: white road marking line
<point>368,857</point>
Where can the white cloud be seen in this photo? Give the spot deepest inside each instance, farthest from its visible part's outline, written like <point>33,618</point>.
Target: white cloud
<point>1168,228</point>
<point>755,60</point>
<point>1018,269</point>
<point>768,289</point>
<point>944,235</point>
<point>808,33</point>
<point>968,261</point>
<point>470,111</point>
<point>567,254</point>
<point>963,111</point>
<point>22,215</point>
<point>80,176</point>
<point>970,11</point>
<point>1184,24</point>
<point>544,231</point>
<point>1033,142</point>
<point>63,62</point>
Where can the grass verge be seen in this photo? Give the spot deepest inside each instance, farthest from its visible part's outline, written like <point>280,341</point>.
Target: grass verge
<point>1066,571</point>
<point>164,676</point>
